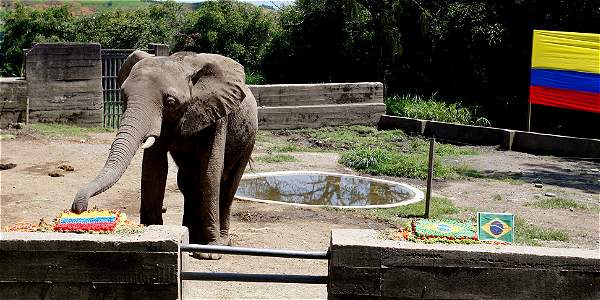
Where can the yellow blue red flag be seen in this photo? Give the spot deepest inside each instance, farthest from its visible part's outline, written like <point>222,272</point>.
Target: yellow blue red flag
<point>565,70</point>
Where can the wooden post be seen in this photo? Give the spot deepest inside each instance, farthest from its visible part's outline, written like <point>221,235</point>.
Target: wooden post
<point>27,111</point>
<point>429,177</point>
<point>529,116</point>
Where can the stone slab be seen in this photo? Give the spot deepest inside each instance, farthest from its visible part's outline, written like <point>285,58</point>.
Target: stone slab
<point>441,271</point>
<point>314,116</point>
<point>13,100</point>
<point>558,145</point>
<point>408,125</point>
<point>60,265</point>
<point>64,82</point>
<point>317,94</point>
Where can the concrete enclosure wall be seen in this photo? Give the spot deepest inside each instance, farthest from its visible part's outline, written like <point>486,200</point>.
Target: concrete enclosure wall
<point>364,266</point>
<point>38,265</point>
<point>530,142</point>
<point>64,83</point>
<point>287,106</point>
<point>13,95</point>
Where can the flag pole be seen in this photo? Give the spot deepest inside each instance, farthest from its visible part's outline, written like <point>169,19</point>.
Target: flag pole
<point>528,116</point>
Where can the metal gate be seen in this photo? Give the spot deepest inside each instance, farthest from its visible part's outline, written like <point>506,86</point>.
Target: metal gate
<point>112,59</point>
<point>273,278</point>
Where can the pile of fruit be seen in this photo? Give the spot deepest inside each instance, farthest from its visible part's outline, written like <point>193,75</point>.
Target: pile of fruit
<point>438,231</point>
<point>91,221</point>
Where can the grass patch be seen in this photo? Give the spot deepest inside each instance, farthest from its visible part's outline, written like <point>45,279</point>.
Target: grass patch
<point>418,107</point>
<point>287,148</point>
<point>64,130</point>
<point>555,203</point>
<point>368,150</point>
<point>379,161</point>
<point>441,208</point>
<point>497,197</point>
<point>529,234</point>
<point>276,158</point>
<point>347,137</point>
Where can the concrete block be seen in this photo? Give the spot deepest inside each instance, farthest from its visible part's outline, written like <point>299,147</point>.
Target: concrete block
<point>540,143</point>
<point>441,271</point>
<point>13,100</point>
<point>65,79</point>
<point>314,116</point>
<point>63,265</point>
<point>317,94</point>
<point>476,135</point>
<point>408,125</point>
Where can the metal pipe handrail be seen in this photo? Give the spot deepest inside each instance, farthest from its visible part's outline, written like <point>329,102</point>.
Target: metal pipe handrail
<point>255,251</point>
<point>275,278</point>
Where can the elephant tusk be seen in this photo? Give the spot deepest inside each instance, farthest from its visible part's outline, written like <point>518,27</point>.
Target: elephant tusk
<point>149,142</point>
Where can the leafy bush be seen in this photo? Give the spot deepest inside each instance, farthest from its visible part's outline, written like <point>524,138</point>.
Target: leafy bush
<point>238,30</point>
<point>430,109</point>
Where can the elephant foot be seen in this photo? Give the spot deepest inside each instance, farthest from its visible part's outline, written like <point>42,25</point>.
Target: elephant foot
<point>206,256</point>
<point>212,256</point>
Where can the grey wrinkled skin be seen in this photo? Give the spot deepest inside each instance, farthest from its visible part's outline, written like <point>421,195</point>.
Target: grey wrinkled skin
<point>199,109</point>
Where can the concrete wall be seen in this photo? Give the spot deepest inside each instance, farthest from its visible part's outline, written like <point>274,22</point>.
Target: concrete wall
<point>530,142</point>
<point>364,266</point>
<point>91,266</point>
<point>286,106</point>
<point>64,83</point>
<point>13,100</point>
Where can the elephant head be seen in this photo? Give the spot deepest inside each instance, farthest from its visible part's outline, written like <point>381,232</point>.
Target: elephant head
<point>177,95</point>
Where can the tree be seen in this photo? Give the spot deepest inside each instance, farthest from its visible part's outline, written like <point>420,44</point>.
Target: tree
<point>238,30</point>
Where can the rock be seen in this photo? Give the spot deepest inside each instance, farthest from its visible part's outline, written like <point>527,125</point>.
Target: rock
<point>595,170</point>
<point>7,166</point>
<point>67,168</point>
<point>550,194</point>
<point>55,173</point>
<point>538,185</point>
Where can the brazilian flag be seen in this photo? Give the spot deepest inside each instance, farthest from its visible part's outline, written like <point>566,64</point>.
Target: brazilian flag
<point>496,227</point>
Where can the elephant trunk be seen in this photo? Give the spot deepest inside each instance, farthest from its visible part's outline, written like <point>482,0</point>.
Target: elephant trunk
<point>137,124</point>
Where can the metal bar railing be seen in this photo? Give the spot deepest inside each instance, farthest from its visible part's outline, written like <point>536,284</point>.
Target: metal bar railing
<point>275,278</point>
<point>256,251</point>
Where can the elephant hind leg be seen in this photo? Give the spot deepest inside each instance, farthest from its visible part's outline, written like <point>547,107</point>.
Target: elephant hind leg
<point>229,184</point>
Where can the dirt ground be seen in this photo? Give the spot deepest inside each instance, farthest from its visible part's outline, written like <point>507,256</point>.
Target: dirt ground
<point>29,194</point>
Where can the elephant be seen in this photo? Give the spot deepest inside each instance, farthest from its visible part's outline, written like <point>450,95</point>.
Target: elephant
<point>197,108</point>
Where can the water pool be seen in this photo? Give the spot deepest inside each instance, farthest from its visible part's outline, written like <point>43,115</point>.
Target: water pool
<point>316,188</point>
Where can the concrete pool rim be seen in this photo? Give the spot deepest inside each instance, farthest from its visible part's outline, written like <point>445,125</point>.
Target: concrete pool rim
<point>418,194</point>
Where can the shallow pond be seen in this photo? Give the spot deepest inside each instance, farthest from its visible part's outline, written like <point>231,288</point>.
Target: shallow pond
<point>317,188</point>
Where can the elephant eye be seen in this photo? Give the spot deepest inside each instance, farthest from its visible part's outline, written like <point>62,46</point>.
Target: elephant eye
<point>171,101</point>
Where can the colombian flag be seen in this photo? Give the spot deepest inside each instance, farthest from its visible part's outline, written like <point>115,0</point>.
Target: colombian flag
<point>565,70</point>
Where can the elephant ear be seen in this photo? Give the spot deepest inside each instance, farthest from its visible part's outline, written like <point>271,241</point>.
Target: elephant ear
<point>128,64</point>
<point>216,88</point>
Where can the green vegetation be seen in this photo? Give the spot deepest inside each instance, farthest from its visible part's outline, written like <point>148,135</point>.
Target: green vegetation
<point>497,197</point>
<point>529,234</point>
<point>431,109</point>
<point>287,148</point>
<point>63,130</point>
<point>556,203</point>
<point>238,30</point>
<point>378,161</point>
<point>459,49</point>
<point>366,149</point>
<point>276,158</point>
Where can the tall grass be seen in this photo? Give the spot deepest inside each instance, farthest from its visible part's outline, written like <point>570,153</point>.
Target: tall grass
<point>418,107</point>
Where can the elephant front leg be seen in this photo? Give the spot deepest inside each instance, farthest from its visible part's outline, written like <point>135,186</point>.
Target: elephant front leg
<point>209,184</point>
<point>154,178</point>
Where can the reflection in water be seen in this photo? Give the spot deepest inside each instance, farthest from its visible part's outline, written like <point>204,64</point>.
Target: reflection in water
<point>319,189</point>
